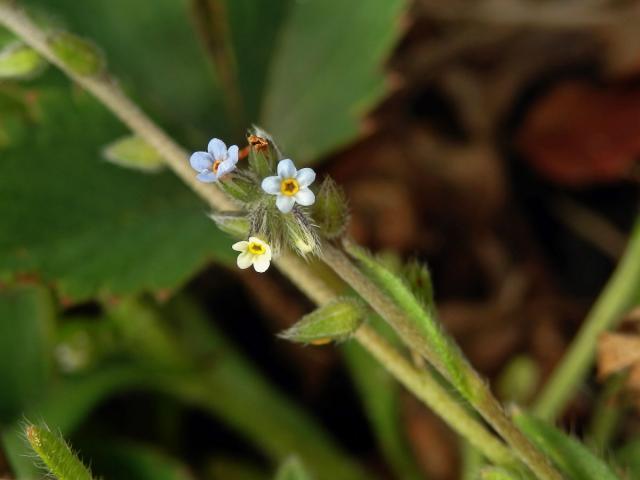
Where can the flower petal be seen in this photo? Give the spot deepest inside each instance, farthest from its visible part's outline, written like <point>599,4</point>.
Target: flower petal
<point>232,154</point>
<point>286,169</point>
<point>261,263</point>
<point>285,203</point>
<point>271,185</point>
<point>207,176</point>
<point>305,197</point>
<point>217,148</point>
<point>240,246</point>
<point>245,260</point>
<point>201,161</point>
<point>305,177</point>
<point>226,167</point>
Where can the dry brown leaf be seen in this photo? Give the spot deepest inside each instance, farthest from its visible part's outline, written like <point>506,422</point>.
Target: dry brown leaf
<point>617,351</point>
<point>580,134</point>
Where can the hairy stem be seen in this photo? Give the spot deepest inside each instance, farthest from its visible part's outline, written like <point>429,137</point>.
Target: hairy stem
<point>418,382</point>
<point>618,296</point>
<point>482,399</point>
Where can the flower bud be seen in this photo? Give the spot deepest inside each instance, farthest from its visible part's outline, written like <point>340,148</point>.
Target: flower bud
<point>331,210</point>
<point>419,279</point>
<point>301,234</point>
<point>78,54</point>
<point>235,224</point>
<point>263,153</point>
<point>335,321</point>
<point>133,152</point>
<point>18,61</point>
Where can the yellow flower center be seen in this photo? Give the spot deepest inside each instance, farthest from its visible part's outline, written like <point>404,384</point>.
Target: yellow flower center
<point>289,187</point>
<point>216,165</point>
<point>256,248</point>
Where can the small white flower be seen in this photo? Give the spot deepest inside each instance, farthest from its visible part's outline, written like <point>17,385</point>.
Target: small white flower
<point>254,252</point>
<point>216,162</point>
<point>291,186</point>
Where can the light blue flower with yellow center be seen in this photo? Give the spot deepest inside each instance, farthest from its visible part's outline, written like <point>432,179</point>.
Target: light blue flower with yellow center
<point>216,162</point>
<point>291,186</point>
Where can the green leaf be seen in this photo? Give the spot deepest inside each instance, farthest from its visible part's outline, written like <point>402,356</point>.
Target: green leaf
<point>152,48</point>
<point>336,320</point>
<point>20,61</point>
<point>26,337</point>
<point>78,54</point>
<point>572,457</point>
<point>307,71</point>
<point>90,227</point>
<point>56,454</point>
<point>327,72</point>
<point>292,469</point>
<point>133,152</point>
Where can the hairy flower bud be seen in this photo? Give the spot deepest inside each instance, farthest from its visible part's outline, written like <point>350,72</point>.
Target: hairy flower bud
<point>331,210</point>
<point>301,234</point>
<point>335,321</point>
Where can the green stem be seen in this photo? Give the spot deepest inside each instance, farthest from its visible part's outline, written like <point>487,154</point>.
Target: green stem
<point>622,290</point>
<point>425,387</point>
<point>482,399</point>
<point>300,274</point>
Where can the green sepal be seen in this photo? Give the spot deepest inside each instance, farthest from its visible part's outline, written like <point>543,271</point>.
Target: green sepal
<point>240,185</point>
<point>233,223</point>
<point>19,61</point>
<point>133,152</point>
<point>331,209</point>
<point>79,55</point>
<point>335,321</point>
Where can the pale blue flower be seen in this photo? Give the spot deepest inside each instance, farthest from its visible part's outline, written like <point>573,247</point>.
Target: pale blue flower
<point>291,186</point>
<point>216,162</point>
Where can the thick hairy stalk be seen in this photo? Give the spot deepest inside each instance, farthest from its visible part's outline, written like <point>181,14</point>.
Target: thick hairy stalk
<point>419,382</point>
<point>481,398</point>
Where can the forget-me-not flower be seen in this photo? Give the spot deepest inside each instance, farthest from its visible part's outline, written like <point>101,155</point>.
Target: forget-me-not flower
<point>216,162</point>
<point>254,252</point>
<point>291,186</point>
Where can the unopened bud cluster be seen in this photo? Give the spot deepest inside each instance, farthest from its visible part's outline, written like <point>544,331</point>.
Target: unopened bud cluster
<point>278,205</point>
